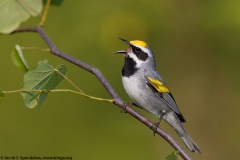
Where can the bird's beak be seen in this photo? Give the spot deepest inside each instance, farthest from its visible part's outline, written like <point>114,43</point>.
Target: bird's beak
<point>124,40</point>
<point>123,51</point>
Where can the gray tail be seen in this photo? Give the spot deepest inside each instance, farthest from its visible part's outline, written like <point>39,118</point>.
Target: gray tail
<point>174,121</point>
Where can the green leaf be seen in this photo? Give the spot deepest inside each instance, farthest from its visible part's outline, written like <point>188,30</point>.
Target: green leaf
<point>54,2</point>
<point>13,12</point>
<point>172,156</point>
<point>39,80</point>
<point>18,59</point>
<point>1,95</point>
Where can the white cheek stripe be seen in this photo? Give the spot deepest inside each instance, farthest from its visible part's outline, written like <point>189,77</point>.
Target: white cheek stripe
<point>135,58</point>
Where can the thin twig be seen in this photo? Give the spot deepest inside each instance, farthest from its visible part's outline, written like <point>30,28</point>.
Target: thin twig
<point>117,100</point>
<point>36,48</point>
<point>60,90</point>
<point>45,12</point>
<point>65,77</point>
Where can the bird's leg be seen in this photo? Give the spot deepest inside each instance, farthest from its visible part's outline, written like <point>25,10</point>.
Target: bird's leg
<point>155,125</point>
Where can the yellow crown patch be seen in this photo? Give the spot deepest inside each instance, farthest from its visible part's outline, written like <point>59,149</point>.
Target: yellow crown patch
<point>139,43</point>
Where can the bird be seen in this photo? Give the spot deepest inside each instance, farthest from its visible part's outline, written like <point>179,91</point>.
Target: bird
<point>147,89</point>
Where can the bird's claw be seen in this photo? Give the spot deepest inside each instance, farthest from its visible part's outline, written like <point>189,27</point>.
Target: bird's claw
<point>155,127</point>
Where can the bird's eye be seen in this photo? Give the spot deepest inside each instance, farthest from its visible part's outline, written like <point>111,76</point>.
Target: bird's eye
<point>137,50</point>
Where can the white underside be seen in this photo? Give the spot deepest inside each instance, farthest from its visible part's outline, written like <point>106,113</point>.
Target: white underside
<point>138,91</point>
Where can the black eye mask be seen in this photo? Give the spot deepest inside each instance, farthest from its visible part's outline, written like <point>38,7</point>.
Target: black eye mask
<point>139,53</point>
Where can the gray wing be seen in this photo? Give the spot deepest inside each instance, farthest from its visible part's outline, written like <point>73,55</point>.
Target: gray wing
<point>167,99</point>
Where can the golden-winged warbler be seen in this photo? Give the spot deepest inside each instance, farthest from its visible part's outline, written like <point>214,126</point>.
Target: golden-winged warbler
<point>147,89</point>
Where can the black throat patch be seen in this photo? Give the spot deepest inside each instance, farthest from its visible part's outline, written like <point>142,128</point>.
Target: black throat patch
<point>129,67</point>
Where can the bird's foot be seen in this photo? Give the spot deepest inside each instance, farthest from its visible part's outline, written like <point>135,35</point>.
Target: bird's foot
<point>155,125</point>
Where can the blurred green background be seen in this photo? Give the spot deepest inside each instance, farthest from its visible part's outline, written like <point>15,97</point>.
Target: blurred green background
<point>197,47</point>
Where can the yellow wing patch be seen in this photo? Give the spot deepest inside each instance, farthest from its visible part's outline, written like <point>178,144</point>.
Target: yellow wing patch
<point>158,85</point>
<point>139,43</point>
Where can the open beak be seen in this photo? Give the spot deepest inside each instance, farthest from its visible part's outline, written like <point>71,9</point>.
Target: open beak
<point>123,51</point>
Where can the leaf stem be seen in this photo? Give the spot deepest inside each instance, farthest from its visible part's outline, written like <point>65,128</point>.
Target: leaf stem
<point>45,12</point>
<point>82,94</point>
<point>62,90</point>
<point>70,81</point>
<point>36,48</point>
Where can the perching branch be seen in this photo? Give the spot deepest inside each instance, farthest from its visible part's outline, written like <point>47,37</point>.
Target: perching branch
<point>117,100</point>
